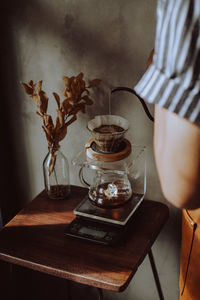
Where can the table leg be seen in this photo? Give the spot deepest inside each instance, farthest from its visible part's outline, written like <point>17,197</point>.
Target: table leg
<point>155,274</point>
<point>100,293</point>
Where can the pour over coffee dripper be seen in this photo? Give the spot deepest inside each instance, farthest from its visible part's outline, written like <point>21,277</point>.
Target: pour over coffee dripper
<point>108,132</point>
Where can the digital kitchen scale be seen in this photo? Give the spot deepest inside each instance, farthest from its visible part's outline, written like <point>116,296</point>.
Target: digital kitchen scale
<point>103,225</point>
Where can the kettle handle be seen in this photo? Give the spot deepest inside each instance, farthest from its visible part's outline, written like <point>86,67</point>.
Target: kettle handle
<point>81,177</point>
<point>122,88</point>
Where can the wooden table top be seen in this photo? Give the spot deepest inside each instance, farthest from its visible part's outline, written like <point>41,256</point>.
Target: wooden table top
<point>35,238</point>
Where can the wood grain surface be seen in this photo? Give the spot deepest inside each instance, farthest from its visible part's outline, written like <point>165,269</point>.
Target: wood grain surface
<point>35,239</point>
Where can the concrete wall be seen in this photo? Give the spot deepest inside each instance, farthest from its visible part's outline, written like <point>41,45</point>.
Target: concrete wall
<point>107,39</point>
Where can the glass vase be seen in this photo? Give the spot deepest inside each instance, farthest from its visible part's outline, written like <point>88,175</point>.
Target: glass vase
<point>56,174</point>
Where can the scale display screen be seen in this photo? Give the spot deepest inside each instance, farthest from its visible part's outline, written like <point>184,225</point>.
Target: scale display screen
<point>100,233</point>
<point>92,232</point>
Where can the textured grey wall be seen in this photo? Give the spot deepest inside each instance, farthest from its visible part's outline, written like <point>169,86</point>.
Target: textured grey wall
<point>108,39</point>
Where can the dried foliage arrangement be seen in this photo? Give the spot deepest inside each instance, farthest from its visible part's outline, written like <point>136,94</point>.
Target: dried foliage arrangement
<point>77,96</point>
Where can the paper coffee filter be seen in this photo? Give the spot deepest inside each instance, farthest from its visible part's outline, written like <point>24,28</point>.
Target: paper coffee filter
<point>108,142</point>
<point>108,120</point>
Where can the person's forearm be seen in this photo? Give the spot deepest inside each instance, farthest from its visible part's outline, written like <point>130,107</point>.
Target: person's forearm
<point>177,155</point>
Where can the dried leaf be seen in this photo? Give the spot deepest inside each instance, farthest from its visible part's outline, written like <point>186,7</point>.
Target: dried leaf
<point>67,81</point>
<point>73,88</point>
<point>30,83</point>
<point>48,122</point>
<point>69,94</point>
<point>80,76</point>
<point>39,114</point>
<point>48,135</point>
<point>57,124</point>
<point>76,108</point>
<point>61,116</point>
<point>88,101</point>
<point>82,108</point>
<point>43,102</point>
<point>94,82</point>
<point>61,133</point>
<point>57,98</point>
<point>28,89</point>
<point>74,118</point>
<point>87,91</point>
<point>66,106</point>
<point>39,86</point>
<point>36,98</point>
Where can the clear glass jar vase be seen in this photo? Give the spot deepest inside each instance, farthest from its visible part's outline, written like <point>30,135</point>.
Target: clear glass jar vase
<point>56,174</point>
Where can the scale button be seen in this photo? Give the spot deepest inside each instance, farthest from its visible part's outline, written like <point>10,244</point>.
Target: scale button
<point>108,238</point>
<point>73,229</point>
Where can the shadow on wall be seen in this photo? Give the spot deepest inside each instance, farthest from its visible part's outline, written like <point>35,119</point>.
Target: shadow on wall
<point>14,173</point>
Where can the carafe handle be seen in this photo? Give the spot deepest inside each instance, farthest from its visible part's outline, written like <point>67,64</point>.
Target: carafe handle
<point>81,177</point>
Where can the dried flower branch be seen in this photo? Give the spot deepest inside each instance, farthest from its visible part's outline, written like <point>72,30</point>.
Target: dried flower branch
<point>77,96</point>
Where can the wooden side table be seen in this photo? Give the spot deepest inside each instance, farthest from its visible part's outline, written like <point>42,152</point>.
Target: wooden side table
<point>35,239</point>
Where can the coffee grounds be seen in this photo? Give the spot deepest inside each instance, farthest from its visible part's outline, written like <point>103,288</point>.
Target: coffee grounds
<point>108,129</point>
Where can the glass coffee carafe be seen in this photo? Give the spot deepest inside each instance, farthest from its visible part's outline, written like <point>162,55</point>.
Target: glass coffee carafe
<point>112,184</point>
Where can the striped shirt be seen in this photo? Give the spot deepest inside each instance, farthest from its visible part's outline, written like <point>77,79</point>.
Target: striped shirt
<point>173,79</point>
